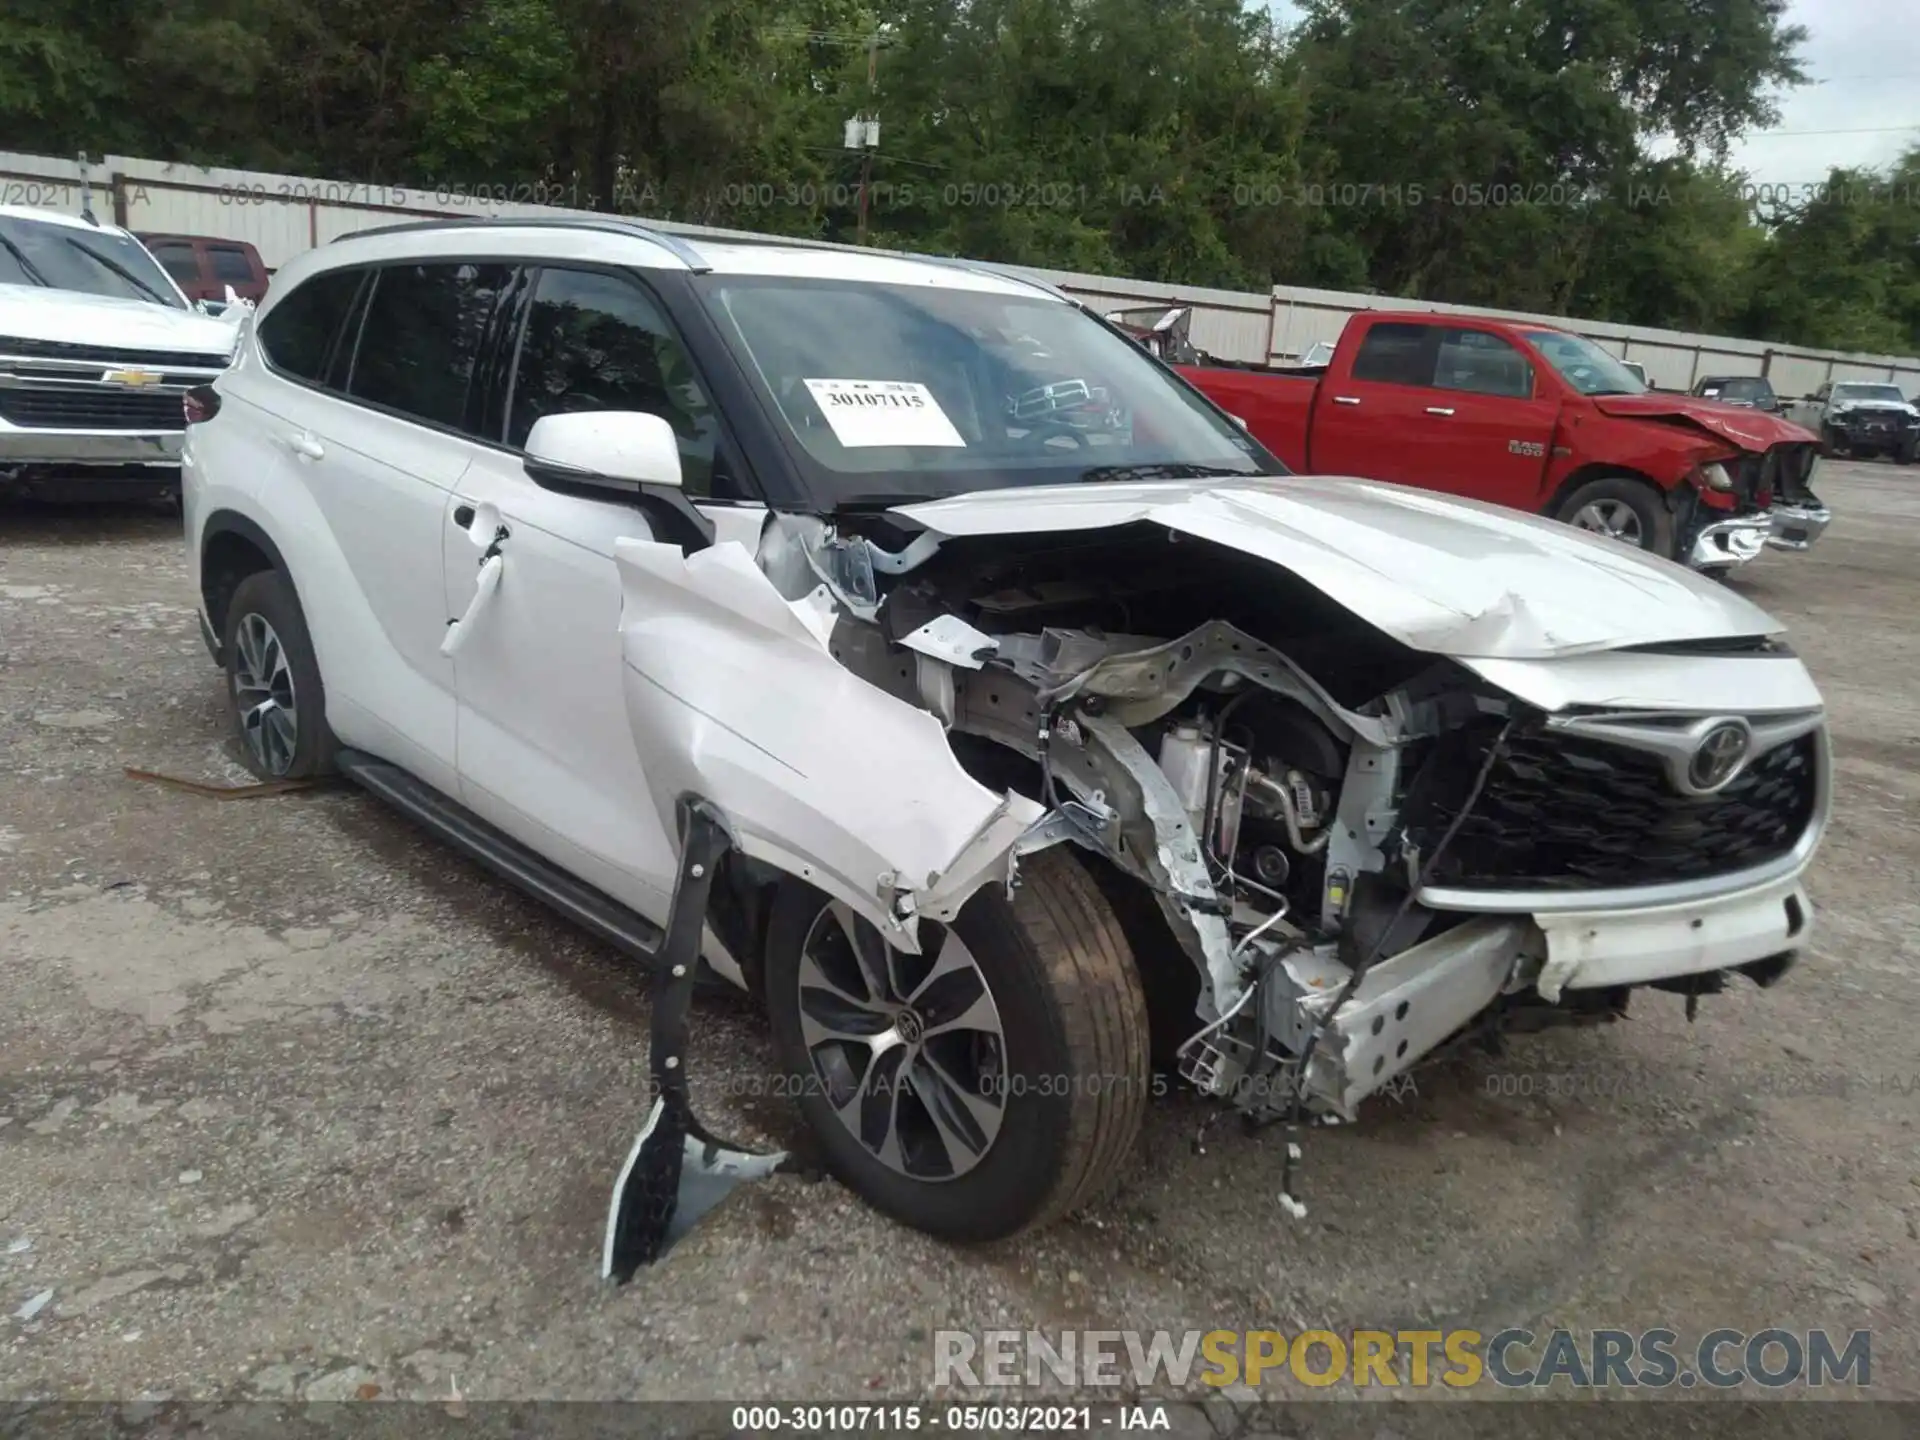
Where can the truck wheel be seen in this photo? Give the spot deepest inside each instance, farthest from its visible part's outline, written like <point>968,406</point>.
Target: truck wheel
<point>990,1084</point>
<point>273,682</point>
<point>1631,511</point>
<point>1830,445</point>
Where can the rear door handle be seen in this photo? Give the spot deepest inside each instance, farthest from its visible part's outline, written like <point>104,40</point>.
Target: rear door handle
<point>1439,409</point>
<point>305,446</point>
<point>1346,399</point>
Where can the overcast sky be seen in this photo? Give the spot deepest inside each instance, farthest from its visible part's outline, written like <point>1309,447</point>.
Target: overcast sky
<point>1864,59</point>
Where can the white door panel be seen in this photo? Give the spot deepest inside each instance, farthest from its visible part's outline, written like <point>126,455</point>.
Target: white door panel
<point>545,749</point>
<point>374,490</point>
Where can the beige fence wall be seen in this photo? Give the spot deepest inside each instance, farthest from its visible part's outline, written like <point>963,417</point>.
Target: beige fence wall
<point>284,215</point>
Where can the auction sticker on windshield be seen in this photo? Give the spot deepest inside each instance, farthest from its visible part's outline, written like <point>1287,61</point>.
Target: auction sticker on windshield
<point>883,412</point>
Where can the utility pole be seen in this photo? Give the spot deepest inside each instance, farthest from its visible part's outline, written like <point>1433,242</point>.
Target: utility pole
<point>867,132</point>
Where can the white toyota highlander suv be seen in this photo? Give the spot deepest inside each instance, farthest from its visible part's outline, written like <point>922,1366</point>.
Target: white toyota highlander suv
<point>990,701</point>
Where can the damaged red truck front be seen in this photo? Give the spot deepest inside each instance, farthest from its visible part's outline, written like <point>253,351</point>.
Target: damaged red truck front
<point>1525,415</point>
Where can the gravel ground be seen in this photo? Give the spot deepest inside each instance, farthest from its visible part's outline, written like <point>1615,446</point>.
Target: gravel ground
<point>294,1103</point>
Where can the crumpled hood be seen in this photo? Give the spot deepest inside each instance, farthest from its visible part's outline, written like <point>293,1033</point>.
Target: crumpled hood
<point>1454,577</point>
<point>34,312</point>
<point>1748,428</point>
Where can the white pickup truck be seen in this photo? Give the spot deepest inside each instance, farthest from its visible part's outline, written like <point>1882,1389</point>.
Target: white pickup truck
<point>97,347</point>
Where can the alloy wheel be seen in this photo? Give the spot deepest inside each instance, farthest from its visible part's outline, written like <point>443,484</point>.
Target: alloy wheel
<point>908,1050</point>
<point>263,694</point>
<point>1613,518</point>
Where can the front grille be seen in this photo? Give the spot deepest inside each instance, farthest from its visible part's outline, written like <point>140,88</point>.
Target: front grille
<point>111,355</point>
<point>1566,813</point>
<point>91,407</point>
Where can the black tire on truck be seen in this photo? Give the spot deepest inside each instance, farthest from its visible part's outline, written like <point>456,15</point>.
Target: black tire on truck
<point>273,682</point>
<point>989,1085</point>
<point>1830,445</point>
<point>1624,509</point>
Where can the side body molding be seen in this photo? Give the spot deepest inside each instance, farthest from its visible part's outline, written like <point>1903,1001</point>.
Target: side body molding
<point>733,695</point>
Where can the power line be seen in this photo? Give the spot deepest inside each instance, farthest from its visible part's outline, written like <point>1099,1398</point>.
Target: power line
<point>1856,130</point>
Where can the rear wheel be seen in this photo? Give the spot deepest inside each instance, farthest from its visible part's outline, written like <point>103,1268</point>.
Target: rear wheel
<point>1623,509</point>
<point>990,1084</point>
<point>1830,444</point>
<point>273,682</point>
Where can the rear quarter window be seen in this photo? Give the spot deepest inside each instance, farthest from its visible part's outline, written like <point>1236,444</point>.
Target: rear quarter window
<point>300,332</point>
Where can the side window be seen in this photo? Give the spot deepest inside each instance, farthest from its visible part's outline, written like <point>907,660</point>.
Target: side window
<point>178,260</point>
<point>230,264</point>
<point>421,336</point>
<point>299,333</point>
<point>1483,363</point>
<point>600,342</point>
<point>1396,354</point>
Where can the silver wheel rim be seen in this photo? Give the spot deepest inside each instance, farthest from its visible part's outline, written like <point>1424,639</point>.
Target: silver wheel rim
<point>908,1050</point>
<point>1613,518</point>
<point>263,695</point>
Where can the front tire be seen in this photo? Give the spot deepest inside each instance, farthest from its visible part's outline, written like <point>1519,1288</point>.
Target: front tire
<point>1630,511</point>
<point>987,1086</point>
<point>273,682</point>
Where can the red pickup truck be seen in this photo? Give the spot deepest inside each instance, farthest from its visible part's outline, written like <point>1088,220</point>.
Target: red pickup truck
<point>1524,415</point>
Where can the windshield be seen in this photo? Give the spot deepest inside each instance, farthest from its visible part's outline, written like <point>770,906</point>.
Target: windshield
<point>1736,388</point>
<point>96,262</point>
<point>1886,394</point>
<point>894,393</point>
<point>1584,365</point>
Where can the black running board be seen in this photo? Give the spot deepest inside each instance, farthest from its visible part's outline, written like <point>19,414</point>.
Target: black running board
<point>448,820</point>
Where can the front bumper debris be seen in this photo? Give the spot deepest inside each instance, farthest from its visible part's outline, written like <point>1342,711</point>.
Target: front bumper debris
<point>1595,949</point>
<point>676,1171</point>
<point>1726,543</point>
<point>1797,526</point>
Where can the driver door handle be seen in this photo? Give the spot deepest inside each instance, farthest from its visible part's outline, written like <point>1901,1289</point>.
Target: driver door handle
<point>1346,399</point>
<point>305,446</point>
<point>1439,409</point>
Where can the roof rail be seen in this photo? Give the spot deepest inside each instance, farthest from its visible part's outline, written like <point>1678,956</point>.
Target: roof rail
<point>999,272</point>
<point>951,262</point>
<point>612,224</point>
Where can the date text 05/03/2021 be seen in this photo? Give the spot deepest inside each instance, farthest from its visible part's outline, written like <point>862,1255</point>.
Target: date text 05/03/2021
<point>882,1419</point>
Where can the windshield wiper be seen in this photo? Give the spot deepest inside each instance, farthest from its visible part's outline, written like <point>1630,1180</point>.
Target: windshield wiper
<point>880,500</point>
<point>26,266</point>
<point>1168,470</point>
<point>122,271</point>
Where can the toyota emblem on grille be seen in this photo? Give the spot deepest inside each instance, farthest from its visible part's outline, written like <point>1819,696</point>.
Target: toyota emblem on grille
<point>1718,757</point>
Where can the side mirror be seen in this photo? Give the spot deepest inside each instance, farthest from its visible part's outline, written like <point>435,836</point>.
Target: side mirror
<point>618,455</point>
<point>625,447</point>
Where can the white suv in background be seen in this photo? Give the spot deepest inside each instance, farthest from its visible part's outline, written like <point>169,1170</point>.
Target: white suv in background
<point>1054,736</point>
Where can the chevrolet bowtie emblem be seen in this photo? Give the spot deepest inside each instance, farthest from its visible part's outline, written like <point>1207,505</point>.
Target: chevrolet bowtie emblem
<point>131,377</point>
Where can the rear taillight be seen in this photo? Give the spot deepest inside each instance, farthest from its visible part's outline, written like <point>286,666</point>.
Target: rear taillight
<point>200,403</point>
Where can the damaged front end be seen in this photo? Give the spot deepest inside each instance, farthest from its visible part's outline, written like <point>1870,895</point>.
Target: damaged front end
<point>1373,820</point>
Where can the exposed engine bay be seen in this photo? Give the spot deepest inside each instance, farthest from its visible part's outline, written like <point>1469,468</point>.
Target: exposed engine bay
<point>1267,765</point>
<point>1338,837</point>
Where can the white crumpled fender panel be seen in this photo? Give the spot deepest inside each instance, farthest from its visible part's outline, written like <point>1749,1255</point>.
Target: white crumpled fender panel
<point>734,696</point>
